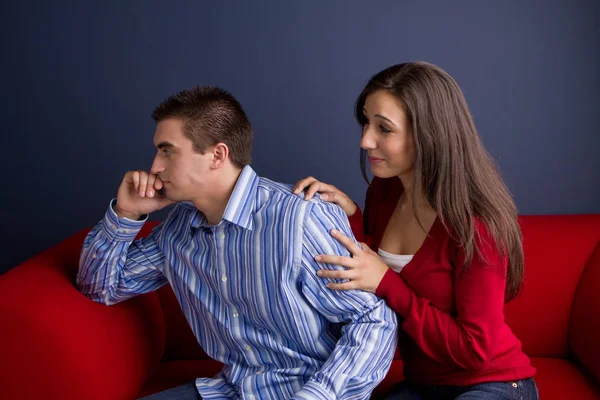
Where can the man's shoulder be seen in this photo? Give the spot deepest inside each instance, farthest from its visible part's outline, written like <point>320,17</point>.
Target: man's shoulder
<point>275,193</point>
<point>283,192</point>
<point>275,188</point>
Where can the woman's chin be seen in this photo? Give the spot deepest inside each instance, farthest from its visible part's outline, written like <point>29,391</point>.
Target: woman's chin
<point>382,173</point>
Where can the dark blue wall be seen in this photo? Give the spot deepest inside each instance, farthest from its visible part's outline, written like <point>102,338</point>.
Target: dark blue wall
<point>81,78</point>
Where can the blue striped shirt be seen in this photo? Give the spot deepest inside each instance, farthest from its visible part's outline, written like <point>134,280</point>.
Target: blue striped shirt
<point>249,290</point>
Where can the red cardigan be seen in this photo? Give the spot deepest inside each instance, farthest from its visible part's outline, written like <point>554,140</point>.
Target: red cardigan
<point>453,330</point>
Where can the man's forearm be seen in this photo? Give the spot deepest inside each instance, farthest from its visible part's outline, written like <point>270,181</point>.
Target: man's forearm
<point>103,275</point>
<point>360,360</point>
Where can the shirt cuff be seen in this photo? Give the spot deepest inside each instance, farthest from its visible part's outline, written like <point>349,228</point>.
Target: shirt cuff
<point>122,229</point>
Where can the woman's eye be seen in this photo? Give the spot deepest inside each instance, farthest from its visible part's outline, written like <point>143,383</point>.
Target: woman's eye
<point>384,129</point>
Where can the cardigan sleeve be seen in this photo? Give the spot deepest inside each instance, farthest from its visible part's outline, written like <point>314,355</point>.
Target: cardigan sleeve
<point>466,338</point>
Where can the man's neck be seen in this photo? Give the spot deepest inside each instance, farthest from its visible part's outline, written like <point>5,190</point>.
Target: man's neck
<point>215,199</point>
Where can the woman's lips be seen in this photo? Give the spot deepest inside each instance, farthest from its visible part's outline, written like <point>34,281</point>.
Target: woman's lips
<point>375,160</point>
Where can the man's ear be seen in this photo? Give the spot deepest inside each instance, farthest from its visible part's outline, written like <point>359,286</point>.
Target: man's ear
<point>220,154</point>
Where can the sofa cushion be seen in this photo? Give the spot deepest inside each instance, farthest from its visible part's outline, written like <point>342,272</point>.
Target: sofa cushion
<point>556,379</point>
<point>563,379</point>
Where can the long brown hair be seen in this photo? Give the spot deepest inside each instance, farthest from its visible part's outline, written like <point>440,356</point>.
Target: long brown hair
<point>458,177</point>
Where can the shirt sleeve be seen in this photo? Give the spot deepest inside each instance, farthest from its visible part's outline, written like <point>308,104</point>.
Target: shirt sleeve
<point>364,352</point>
<point>113,267</point>
<point>467,338</point>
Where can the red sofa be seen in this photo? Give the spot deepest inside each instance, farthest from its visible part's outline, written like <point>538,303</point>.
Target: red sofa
<point>57,344</point>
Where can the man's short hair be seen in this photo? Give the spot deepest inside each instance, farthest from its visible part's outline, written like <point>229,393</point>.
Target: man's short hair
<point>210,115</point>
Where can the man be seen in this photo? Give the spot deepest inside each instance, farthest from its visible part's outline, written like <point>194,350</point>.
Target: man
<point>239,252</point>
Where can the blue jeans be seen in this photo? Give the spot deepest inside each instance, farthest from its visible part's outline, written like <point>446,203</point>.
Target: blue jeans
<point>183,392</point>
<point>518,390</point>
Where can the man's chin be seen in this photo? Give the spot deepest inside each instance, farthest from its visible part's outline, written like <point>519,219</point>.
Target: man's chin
<point>171,195</point>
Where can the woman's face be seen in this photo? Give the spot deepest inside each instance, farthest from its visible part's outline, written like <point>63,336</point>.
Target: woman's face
<point>387,136</point>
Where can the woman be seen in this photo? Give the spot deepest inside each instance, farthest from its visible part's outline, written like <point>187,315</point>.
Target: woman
<point>445,245</point>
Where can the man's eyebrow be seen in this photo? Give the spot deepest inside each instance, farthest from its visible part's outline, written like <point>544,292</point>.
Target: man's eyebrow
<point>164,145</point>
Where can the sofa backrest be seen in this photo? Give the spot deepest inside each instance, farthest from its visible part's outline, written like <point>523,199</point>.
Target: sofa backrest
<point>584,328</point>
<point>557,249</point>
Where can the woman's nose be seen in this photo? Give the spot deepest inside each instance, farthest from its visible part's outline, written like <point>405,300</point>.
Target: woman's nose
<point>367,141</point>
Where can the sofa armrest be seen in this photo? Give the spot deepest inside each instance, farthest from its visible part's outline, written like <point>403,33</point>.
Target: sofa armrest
<point>584,326</point>
<point>58,344</point>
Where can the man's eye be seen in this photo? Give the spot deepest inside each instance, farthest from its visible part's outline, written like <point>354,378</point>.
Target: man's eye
<point>167,152</point>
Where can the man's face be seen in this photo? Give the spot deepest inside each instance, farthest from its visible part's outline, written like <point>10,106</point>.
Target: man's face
<point>184,171</point>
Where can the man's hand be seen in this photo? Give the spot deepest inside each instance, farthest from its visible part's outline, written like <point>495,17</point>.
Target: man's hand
<point>140,194</point>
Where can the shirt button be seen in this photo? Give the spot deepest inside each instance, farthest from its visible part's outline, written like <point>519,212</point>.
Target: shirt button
<point>235,315</point>
<point>248,348</point>
<point>514,384</point>
<point>224,278</point>
<point>222,236</point>
<point>251,397</point>
<point>126,230</point>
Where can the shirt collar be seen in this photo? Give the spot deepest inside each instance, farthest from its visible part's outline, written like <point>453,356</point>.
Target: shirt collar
<point>240,206</point>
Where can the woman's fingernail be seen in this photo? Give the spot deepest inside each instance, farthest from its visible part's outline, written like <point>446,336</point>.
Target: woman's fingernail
<point>324,196</point>
<point>319,273</point>
<point>318,258</point>
<point>141,194</point>
<point>150,193</point>
<point>334,232</point>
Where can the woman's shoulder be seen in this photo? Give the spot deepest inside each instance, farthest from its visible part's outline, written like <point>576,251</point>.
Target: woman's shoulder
<point>481,229</point>
<point>483,233</point>
<point>485,248</point>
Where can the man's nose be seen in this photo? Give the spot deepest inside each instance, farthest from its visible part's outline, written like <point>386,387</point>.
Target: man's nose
<point>157,166</point>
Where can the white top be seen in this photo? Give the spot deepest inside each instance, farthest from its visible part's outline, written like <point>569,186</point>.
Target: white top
<point>395,261</point>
